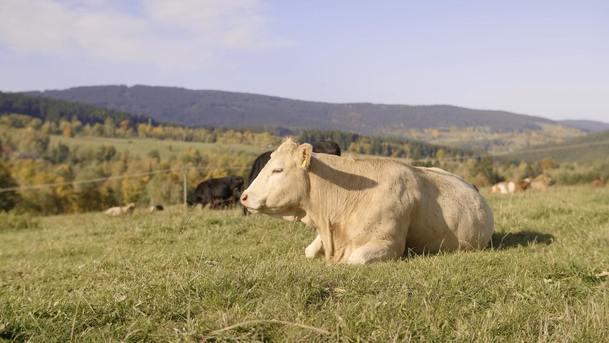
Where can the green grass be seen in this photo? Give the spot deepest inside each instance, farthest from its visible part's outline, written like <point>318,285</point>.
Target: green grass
<point>180,275</point>
<point>166,148</point>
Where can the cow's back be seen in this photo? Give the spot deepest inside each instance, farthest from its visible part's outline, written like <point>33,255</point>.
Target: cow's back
<point>434,209</point>
<point>449,214</point>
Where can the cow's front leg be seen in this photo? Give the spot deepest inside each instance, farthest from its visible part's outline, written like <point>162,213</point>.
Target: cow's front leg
<point>315,249</point>
<point>387,242</point>
<point>373,251</point>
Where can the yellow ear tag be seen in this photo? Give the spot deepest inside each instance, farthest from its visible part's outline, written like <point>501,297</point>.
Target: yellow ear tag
<point>304,159</point>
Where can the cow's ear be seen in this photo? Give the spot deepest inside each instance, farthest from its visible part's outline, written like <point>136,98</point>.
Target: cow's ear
<point>304,153</point>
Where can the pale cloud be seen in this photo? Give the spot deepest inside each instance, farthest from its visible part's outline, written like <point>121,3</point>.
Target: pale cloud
<point>184,35</point>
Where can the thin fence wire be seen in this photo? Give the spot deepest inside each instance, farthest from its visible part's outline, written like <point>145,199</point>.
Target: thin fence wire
<point>116,177</point>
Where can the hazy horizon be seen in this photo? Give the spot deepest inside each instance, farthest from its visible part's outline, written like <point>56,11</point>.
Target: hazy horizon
<point>545,59</point>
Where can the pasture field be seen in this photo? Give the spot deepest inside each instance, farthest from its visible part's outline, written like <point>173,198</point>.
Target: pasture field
<point>202,275</point>
<point>166,148</point>
<point>589,148</point>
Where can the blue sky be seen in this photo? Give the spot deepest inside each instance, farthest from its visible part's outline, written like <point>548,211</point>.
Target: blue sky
<point>548,58</point>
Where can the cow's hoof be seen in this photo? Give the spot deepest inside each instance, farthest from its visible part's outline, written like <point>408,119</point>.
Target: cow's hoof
<point>312,251</point>
<point>356,259</point>
<point>309,253</point>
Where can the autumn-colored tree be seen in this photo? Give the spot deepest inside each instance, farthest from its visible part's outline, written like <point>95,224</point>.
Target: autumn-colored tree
<point>67,130</point>
<point>441,154</point>
<point>32,142</point>
<point>47,128</point>
<point>109,127</point>
<point>524,170</point>
<point>164,188</point>
<point>8,199</point>
<point>143,130</point>
<point>87,195</point>
<point>547,164</point>
<point>124,125</point>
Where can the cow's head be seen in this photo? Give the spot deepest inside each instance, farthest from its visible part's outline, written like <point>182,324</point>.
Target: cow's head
<point>282,183</point>
<point>237,183</point>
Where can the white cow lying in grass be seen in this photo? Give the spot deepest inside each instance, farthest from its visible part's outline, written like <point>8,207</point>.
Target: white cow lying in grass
<point>119,211</point>
<point>370,209</point>
<point>511,187</point>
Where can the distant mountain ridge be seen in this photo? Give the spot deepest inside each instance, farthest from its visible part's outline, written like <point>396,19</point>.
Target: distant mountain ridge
<point>586,125</point>
<point>230,109</point>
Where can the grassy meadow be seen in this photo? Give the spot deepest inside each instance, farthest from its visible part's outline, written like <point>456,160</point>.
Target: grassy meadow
<point>166,148</point>
<point>202,275</point>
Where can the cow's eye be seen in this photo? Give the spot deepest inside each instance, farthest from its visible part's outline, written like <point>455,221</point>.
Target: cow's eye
<point>277,170</point>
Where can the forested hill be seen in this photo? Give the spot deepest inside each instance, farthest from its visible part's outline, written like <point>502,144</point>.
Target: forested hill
<point>55,110</point>
<point>229,109</point>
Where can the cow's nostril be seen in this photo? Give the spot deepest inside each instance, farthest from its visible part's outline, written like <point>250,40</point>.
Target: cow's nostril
<point>244,197</point>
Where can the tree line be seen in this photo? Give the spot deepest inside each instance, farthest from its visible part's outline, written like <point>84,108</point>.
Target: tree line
<point>384,146</point>
<point>29,157</point>
<point>33,152</point>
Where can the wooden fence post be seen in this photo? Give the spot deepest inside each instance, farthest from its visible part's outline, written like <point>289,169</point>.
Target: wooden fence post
<point>185,187</point>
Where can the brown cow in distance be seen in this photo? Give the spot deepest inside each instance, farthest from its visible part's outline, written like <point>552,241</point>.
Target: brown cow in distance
<point>542,183</point>
<point>599,182</point>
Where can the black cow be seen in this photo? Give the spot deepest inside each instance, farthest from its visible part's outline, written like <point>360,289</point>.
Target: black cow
<point>324,147</point>
<point>156,208</point>
<point>218,193</point>
<point>327,147</point>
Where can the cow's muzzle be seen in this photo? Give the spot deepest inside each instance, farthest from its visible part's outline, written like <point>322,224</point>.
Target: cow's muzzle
<point>250,203</point>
